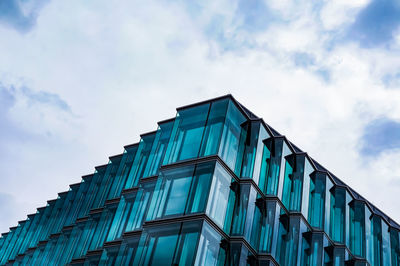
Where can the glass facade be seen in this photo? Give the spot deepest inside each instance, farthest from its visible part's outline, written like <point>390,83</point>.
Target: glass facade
<point>213,186</point>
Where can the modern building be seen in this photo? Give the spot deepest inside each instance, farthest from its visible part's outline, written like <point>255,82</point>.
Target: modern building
<point>215,185</point>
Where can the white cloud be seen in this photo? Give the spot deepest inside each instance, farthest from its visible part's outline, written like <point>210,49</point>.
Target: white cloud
<point>336,13</point>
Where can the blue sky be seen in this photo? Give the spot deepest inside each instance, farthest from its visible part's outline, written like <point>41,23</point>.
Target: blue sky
<point>80,79</point>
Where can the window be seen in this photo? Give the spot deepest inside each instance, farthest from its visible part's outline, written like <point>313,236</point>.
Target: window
<point>181,191</point>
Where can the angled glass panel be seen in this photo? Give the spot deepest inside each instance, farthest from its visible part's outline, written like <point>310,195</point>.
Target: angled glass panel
<point>141,206</point>
<point>357,228</point>
<point>313,248</point>
<point>7,244</point>
<point>378,246</point>
<point>120,220</point>
<point>187,134</point>
<point>213,130</point>
<point>127,251</point>
<point>35,218</point>
<point>115,176</point>
<point>91,181</point>
<point>78,200</point>
<point>211,250</point>
<point>172,244</point>
<point>220,199</point>
<point>21,240</point>
<point>233,138</point>
<point>296,183</point>
<point>274,150</point>
<point>103,222</point>
<point>253,151</point>
<point>109,255</point>
<point>158,148</point>
<point>338,202</point>
<point>242,218</point>
<point>266,214</point>
<point>316,210</point>
<point>97,195</point>
<point>123,171</point>
<point>288,251</point>
<point>239,255</point>
<point>394,247</point>
<point>141,158</point>
<point>87,231</point>
<point>181,191</point>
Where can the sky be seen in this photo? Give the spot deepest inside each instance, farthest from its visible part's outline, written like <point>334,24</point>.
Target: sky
<point>81,79</point>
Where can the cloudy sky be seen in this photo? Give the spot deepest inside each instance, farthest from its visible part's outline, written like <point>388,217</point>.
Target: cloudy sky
<point>80,79</point>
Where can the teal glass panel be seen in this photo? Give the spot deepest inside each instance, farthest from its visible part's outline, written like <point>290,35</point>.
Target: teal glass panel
<point>313,249</point>
<point>48,252</point>
<point>210,251</point>
<point>217,204</point>
<point>288,186</point>
<point>140,206</point>
<point>158,149</point>
<point>253,151</point>
<point>394,247</point>
<point>187,134</point>
<point>105,183</point>
<point>385,244</point>
<point>357,228</point>
<point>41,230</point>
<point>337,214</point>
<point>295,194</point>
<point>181,191</point>
<point>335,256</point>
<point>1,242</point>
<point>22,239</point>
<point>7,244</point>
<point>238,255</point>
<point>187,244</point>
<point>172,244</point>
<point>378,246</point>
<point>72,243</point>
<point>103,222</point>
<point>176,200</point>
<point>86,231</point>
<point>141,158</point>
<point>305,197</point>
<point>99,182</point>
<point>316,211</point>
<point>271,163</point>
<point>288,250</point>
<point>54,225</point>
<point>127,251</point>
<point>250,149</point>
<point>233,138</point>
<point>265,214</point>
<point>115,178</point>
<point>121,216</point>
<point>213,130</point>
<point>240,210</point>
<point>327,216</point>
<point>92,182</point>
<point>34,218</point>
<point>9,253</point>
<point>35,228</point>
<point>123,171</point>
<point>200,188</point>
<point>109,255</point>
<point>374,241</point>
<point>77,202</point>
<point>245,204</point>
